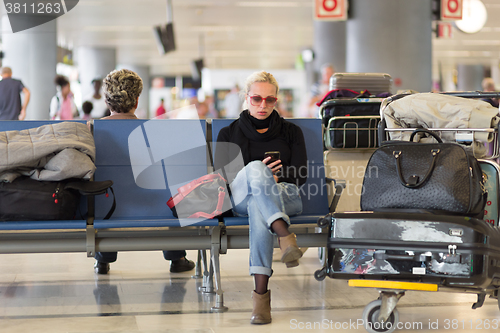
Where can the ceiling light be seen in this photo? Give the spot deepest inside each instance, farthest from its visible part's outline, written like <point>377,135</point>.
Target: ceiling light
<point>474,17</point>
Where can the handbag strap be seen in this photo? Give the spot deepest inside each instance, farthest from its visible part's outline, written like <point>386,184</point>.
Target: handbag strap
<point>218,208</point>
<point>113,206</point>
<point>423,130</point>
<point>186,189</point>
<point>414,183</point>
<point>183,191</point>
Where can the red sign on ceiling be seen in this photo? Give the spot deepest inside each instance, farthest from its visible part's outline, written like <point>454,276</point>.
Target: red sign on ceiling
<point>330,10</point>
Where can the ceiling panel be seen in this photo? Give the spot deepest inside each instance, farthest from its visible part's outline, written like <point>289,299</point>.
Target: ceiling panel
<point>234,34</point>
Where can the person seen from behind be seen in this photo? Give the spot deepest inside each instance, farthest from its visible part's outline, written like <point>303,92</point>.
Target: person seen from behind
<point>11,107</point>
<point>87,110</point>
<point>122,89</point>
<point>100,108</point>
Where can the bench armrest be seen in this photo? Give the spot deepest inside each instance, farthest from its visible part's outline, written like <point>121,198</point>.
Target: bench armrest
<point>339,185</point>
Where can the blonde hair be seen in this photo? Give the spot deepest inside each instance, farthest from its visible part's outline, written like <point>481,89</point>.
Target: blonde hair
<point>121,90</point>
<point>261,76</point>
<point>6,71</point>
<point>488,84</point>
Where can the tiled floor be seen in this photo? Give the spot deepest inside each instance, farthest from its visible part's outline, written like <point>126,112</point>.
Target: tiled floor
<point>60,293</point>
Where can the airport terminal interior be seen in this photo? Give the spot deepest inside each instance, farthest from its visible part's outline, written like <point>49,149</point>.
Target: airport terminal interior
<point>60,293</point>
<point>198,53</point>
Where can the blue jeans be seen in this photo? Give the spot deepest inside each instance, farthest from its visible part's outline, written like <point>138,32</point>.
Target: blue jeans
<point>257,195</point>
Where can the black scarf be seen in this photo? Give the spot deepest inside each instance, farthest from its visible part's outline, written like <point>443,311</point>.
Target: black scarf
<point>245,130</point>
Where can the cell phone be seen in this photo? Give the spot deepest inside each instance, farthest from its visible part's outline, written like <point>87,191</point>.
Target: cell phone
<point>275,155</point>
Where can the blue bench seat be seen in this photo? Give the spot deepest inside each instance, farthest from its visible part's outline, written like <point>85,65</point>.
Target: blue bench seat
<point>314,192</point>
<point>147,161</point>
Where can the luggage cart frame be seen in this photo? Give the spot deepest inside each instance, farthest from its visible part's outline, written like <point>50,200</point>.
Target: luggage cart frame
<point>383,312</point>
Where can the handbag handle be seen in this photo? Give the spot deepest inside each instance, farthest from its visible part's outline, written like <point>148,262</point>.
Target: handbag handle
<point>423,130</point>
<point>415,183</point>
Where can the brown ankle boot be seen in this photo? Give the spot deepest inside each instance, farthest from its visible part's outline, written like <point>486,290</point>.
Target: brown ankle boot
<point>261,313</point>
<point>290,251</point>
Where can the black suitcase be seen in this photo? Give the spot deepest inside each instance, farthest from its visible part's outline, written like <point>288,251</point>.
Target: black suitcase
<point>27,199</point>
<point>451,251</point>
<point>351,122</point>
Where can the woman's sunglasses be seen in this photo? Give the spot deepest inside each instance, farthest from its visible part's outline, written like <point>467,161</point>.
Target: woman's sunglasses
<point>256,100</point>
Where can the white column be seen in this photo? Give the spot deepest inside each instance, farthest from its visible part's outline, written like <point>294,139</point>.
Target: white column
<point>469,77</point>
<point>495,71</point>
<point>392,36</point>
<point>94,62</point>
<point>330,44</point>
<point>32,55</point>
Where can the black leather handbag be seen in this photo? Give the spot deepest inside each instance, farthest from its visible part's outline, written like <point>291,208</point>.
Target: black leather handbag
<point>439,177</point>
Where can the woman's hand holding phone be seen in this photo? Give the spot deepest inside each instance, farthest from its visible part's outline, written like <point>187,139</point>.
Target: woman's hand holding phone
<point>273,162</point>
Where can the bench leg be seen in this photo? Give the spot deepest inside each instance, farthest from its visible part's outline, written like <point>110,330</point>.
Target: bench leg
<point>215,267</point>
<point>219,294</point>
<point>208,282</point>
<point>90,241</point>
<point>197,273</point>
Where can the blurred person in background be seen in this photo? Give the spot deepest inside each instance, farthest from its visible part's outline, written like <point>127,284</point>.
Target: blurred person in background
<point>62,105</point>
<point>160,111</point>
<point>320,88</point>
<point>212,111</point>
<point>97,99</point>
<point>10,98</point>
<point>87,110</point>
<point>488,85</point>
<point>233,103</point>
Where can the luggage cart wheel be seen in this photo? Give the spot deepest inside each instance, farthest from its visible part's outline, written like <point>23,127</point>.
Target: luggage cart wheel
<point>320,274</point>
<point>324,221</point>
<point>370,319</point>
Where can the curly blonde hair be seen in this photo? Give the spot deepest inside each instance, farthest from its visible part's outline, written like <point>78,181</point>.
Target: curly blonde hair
<point>121,90</point>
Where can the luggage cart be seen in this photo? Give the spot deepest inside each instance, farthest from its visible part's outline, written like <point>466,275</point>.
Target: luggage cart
<point>351,123</point>
<point>350,126</point>
<point>365,248</point>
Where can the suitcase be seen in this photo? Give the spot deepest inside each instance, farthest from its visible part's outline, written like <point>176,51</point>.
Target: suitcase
<point>27,199</point>
<point>450,251</point>
<point>375,83</point>
<point>351,122</point>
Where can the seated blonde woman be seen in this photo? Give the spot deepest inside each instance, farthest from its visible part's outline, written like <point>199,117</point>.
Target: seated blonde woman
<point>264,190</point>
